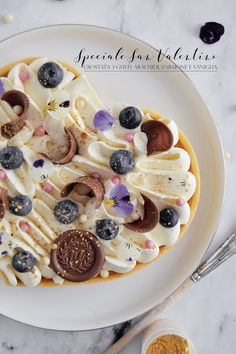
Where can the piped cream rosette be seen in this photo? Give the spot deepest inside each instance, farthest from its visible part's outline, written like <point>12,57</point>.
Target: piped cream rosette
<point>163,177</point>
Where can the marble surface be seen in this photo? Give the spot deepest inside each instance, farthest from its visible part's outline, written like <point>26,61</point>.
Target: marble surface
<point>207,312</point>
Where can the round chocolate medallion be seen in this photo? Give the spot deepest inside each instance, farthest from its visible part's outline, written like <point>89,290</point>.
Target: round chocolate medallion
<point>77,255</point>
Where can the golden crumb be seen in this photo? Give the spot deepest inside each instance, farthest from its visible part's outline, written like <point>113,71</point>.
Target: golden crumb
<point>169,343</point>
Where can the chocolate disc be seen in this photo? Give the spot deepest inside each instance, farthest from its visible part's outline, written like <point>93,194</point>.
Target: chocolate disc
<point>150,220</point>
<point>77,255</point>
<point>72,149</point>
<point>159,136</point>
<point>15,97</point>
<point>87,185</point>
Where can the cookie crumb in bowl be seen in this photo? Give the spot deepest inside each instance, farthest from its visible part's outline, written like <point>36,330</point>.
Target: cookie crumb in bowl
<point>166,337</point>
<point>169,343</point>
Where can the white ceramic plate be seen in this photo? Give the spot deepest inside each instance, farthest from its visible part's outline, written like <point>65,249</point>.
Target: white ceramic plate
<point>171,93</point>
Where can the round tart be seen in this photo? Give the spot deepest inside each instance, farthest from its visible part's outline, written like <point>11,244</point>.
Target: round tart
<point>87,192</point>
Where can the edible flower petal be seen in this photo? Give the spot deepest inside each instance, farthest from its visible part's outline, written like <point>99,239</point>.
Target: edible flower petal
<point>123,208</point>
<point>38,163</point>
<point>103,120</point>
<point>65,104</point>
<point>119,191</point>
<point>51,106</point>
<point>1,88</point>
<point>120,200</point>
<point>211,32</point>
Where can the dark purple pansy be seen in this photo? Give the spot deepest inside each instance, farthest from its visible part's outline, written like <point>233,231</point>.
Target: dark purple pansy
<point>38,163</point>
<point>120,200</point>
<point>103,120</point>
<point>4,253</point>
<point>1,88</point>
<point>211,32</point>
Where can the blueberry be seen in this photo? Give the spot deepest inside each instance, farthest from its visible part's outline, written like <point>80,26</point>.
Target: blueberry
<point>66,211</point>
<point>130,117</point>
<point>107,229</point>
<point>11,157</point>
<point>23,261</point>
<point>50,75</point>
<point>211,32</point>
<point>21,205</point>
<point>122,162</point>
<point>169,217</point>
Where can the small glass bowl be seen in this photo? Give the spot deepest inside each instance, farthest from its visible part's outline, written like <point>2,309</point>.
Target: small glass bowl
<point>165,327</point>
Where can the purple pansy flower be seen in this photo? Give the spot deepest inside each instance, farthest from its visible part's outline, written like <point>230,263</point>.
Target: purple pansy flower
<point>103,120</point>
<point>1,88</point>
<point>211,32</point>
<point>120,200</point>
<point>38,163</point>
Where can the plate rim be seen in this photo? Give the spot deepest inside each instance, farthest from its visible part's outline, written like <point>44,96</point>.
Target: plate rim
<point>222,175</point>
